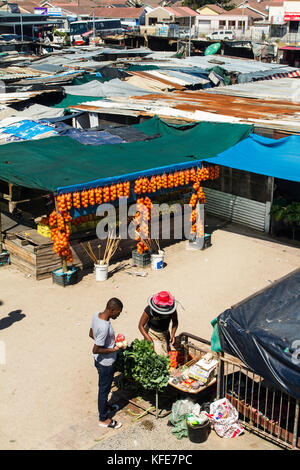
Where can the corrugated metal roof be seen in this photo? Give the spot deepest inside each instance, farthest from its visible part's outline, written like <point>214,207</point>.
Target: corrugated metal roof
<point>285,89</point>
<point>231,64</point>
<point>200,105</point>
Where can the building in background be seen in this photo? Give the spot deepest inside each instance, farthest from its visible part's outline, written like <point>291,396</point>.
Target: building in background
<point>239,20</point>
<point>128,16</point>
<point>292,18</point>
<point>183,16</point>
<point>10,7</point>
<point>25,24</point>
<point>284,20</point>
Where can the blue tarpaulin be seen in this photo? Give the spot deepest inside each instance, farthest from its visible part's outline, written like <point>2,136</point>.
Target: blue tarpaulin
<point>27,130</point>
<point>256,154</point>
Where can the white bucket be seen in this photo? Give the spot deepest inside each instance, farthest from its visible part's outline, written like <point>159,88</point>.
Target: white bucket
<point>157,261</point>
<point>101,272</point>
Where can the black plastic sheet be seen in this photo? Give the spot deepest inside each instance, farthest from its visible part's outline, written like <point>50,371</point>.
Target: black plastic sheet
<point>106,135</point>
<point>264,333</point>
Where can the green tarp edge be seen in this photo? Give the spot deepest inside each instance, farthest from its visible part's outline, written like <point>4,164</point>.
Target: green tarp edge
<point>73,100</point>
<point>156,125</point>
<point>215,338</point>
<point>60,162</point>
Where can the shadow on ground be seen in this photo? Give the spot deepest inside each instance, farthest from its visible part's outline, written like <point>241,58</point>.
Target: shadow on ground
<point>11,318</point>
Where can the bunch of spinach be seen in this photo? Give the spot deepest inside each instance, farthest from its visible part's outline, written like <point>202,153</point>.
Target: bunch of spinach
<point>141,363</point>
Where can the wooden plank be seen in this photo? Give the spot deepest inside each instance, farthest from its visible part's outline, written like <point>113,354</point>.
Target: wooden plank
<point>21,252</point>
<point>48,269</point>
<point>22,244</point>
<point>34,237</point>
<point>23,265</point>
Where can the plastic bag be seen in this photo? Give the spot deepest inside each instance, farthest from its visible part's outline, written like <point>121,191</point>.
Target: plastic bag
<point>196,420</point>
<point>181,409</point>
<point>224,418</point>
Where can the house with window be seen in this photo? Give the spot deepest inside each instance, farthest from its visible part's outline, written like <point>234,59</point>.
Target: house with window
<point>285,21</point>
<point>184,16</point>
<point>212,18</point>
<point>260,8</point>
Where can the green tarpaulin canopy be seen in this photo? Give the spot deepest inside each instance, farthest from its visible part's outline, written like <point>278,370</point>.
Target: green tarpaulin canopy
<point>63,164</point>
<point>73,100</point>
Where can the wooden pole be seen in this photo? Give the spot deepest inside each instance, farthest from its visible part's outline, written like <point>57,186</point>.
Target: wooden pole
<point>1,249</point>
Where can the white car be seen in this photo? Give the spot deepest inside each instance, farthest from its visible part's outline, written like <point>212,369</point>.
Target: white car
<point>221,34</point>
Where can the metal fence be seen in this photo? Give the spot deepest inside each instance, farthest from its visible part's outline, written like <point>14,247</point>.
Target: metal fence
<point>267,411</point>
<point>291,38</point>
<point>263,410</point>
<point>240,34</point>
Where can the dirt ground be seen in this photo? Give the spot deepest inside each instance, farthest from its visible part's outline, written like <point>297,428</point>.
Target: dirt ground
<point>49,382</point>
<point>155,434</point>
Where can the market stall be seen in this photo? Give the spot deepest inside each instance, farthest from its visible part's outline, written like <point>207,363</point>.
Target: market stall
<point>82,177</point>
<point>193,367</point>
<point>155,382</point>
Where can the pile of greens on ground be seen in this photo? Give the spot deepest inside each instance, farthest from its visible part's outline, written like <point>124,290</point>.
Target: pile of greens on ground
<point>141,363</point>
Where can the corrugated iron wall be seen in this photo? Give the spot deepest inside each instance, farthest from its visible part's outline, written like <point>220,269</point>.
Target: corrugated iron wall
<point>238,209</point>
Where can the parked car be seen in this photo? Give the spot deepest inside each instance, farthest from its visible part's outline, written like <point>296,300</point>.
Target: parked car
<point>221,34</point>
<point>183,33</point>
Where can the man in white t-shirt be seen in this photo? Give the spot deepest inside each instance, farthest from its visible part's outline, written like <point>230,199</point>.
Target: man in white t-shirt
<point>105,354</point>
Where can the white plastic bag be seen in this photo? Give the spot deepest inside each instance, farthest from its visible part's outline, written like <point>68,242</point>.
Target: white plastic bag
<point>224,418</point>
<point>180,411</point>
<point>181,407</point>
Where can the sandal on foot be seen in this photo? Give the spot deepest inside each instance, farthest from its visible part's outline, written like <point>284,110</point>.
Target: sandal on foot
<point>113,424</point>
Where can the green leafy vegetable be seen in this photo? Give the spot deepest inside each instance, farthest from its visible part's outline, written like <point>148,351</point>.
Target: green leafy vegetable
<point>141,363</point>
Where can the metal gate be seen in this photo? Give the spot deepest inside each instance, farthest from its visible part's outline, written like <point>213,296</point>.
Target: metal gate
<point>262,409</point>
<point>238,209</point>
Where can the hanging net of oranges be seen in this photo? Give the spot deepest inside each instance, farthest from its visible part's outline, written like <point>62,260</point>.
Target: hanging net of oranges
<point>171,180</point>
<point>142,221</point>
<point>59,222</point>
<point>60,233</point>
<point>175,179</point>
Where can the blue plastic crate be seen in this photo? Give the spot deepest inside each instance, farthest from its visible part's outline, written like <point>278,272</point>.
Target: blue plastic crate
<point>4,258</point>
<point>202,243</point>
<point>65,279</point>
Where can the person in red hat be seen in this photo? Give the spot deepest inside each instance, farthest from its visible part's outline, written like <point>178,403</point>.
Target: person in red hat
<point>155,322</point>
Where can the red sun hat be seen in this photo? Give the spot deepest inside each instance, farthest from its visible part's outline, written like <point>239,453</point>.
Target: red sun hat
<point>163,299</point>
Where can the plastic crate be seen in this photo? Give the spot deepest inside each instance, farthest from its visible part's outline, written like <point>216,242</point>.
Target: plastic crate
<point>207,240</point>
<point>202,243</point>
<point>65,279</point>
<point>4,258</point>
<point>141,259</point>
